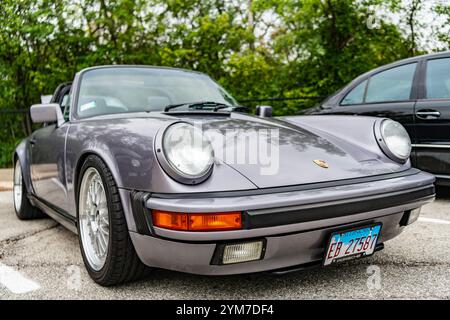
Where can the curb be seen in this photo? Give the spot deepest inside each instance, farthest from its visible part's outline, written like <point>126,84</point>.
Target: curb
<point>6,179</point>
<point>6,186</point>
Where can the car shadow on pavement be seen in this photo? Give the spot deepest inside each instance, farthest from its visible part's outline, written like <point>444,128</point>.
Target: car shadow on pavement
<point>293,285</point>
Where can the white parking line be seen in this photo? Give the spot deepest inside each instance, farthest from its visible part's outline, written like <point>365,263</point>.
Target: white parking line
<point>432,220</point>
<point>15,282</point>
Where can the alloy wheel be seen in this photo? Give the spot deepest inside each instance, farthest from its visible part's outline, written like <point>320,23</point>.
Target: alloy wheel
<point>17,189</point>
<point>94,219</point>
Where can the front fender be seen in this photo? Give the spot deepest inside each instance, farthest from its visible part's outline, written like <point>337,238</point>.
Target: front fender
<point>353,133</point>
<point>127,148</point>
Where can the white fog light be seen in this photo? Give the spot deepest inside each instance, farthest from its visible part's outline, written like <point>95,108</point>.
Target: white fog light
<point>242,252</point>
<point>414,215</point>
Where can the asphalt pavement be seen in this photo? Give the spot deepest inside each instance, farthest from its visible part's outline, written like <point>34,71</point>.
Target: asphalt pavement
<point>41,260</point>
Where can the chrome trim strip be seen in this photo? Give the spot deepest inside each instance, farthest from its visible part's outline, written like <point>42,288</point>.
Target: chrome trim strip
<point>442,176</point>
<point>60,216</point>
<point>437,146</point>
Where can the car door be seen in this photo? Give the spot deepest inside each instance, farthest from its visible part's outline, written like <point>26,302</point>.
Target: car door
<point>48,161</point>
<point>389,93</point>
<point>432,117</point>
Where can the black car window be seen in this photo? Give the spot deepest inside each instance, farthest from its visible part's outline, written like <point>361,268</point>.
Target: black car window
<point>438,79</point>
<point>391,85</point>
<point>356,95</point>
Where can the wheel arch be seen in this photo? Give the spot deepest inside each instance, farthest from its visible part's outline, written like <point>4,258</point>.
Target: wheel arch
<point>77,172</point>
<point>102,156</point>
<point>21,153</point>
<point>112,166</point>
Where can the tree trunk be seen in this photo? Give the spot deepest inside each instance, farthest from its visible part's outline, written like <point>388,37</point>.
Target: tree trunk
<point>250,22</point>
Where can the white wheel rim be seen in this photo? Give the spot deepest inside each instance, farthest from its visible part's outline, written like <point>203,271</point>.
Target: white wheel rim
<point>17,189</point>
<point>94,219</point>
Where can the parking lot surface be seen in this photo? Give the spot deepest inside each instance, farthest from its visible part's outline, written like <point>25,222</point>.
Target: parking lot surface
<point>41,260</point>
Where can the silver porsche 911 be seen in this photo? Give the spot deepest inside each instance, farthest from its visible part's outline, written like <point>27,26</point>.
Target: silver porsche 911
<point>162,168</point>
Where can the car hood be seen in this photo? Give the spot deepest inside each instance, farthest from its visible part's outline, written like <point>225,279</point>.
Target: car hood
<point>250,152</point>
<point>272,152</point>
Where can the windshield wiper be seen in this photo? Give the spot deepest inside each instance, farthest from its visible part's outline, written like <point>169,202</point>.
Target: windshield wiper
<point>199,105</point>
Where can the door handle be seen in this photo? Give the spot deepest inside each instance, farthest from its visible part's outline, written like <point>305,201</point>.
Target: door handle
<point>428,114</point>
<point>32,141</point>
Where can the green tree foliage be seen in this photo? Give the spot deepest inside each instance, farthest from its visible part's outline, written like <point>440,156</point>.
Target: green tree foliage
<point>255,48</point>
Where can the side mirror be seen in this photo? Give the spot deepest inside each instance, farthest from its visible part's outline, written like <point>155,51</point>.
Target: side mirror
<point>264,111</point>
<point>46,113</point>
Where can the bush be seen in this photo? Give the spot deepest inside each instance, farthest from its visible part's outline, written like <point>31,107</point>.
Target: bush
<point>6,153</point>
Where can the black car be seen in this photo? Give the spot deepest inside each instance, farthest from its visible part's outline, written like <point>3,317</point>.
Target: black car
<point>414,92</point>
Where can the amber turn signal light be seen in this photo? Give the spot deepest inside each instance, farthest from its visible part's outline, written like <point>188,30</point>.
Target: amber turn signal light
<point>197,221</point>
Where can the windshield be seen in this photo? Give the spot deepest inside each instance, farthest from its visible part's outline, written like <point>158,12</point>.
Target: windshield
<point>136,89</point>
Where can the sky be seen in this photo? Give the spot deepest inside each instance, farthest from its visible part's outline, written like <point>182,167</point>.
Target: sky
<point>429,22</point>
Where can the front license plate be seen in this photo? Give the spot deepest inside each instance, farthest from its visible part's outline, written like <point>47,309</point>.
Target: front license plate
<point>349,244</point>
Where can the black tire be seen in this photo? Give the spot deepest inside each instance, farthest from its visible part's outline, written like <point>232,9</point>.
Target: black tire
<point>122,262</point>
<point>25,211</point>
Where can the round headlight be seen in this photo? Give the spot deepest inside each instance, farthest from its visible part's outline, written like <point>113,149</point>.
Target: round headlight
<point>188,153</point>
<point>394,141</point>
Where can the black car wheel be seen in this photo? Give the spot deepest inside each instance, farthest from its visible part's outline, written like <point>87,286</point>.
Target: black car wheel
<point>22,205</point>
<point>105,243</point>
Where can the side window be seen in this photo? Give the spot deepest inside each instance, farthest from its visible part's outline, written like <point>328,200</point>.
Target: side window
<point>356,95</point>
<point>391,85</point>
<point>438,79</point>
<point>65,106</point>
<point>64,101</point>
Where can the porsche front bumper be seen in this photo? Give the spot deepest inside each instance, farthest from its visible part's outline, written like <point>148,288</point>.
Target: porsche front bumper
<point>295,223</point>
